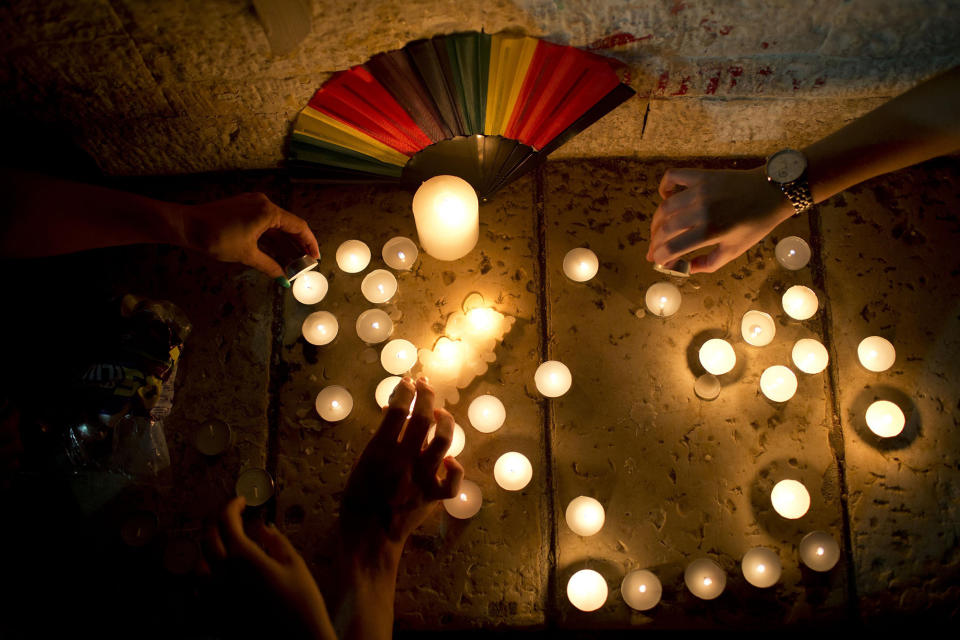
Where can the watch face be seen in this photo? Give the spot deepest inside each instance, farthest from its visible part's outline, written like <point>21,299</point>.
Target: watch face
<point>786,166</point>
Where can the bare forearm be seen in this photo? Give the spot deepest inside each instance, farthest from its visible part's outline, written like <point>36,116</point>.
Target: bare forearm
<point>365,611</point>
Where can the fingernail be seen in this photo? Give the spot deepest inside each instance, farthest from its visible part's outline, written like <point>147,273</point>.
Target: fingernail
<point>283,282</point>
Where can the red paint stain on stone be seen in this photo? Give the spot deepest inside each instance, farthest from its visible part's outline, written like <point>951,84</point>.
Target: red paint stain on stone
<point>735,72</point>
<point>764,45</point>
<point>677,7</point>
<point>683,88</point>
<point>796,84</point>
<point>712,85</point>
<point>725,29</point>
<point>662,82</point>
<point>819,82</point>
<point>764,71</point>
<point>616,40</point>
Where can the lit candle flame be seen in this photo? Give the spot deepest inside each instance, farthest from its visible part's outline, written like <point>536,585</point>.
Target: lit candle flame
<point>707,582</point>
<point>463,497</point>
<point>643,588</point>
<point>335,404</point>
<point>761,568</point>
<point>376,325</point>
<point>401,255</point>
<point>755,330</point>
<point>819,551</point>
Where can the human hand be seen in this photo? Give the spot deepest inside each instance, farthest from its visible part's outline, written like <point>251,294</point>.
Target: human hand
<point>733,209</point>
<point>277,563</point>
<point>229,229</point>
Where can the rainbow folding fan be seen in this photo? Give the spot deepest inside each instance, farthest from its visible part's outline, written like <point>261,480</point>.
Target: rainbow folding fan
<point>487,108</point>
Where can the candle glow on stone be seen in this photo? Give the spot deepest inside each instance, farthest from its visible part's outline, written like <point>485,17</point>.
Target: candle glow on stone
<point>486,413</point>
<point>778,383</point>
<point>512,471</point>
<point>353,256</point>
<point>717,356</point>
<point>457,442</point>
<point>446,212</point>
<point>466,503</point>
<point>876,353</point>
<point>810,356</point>
<point>587,590</point>
<point>819,551</point>
<point>792,253</point>
<point>378,286</point>
<point>334,403</point>
<point>400,253</point>
<point>662,299</point>
<point>800,303</point>
<point>256,486</point>
<point>580,264</point>
<point>320,328</point>
<point>705,579</point>
<point>790,499</point>
<point>374,325</point>
<point>553,379</point>
<point>641,590</point>
<point>761,567</point>
<point>398,356</point>
<point>885,418</point>
<point>757,328</point>
<point>585,516</point>
<point>310,288</point>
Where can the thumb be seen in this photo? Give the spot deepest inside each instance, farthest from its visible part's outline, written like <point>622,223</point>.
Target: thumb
<point>262,262</point>
<point>277,544</point>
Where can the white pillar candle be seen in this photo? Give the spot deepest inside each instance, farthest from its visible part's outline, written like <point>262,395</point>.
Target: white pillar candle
<point>212,438</point>
<point>256,486</point>
<point>353,256</point>
<point>400,253</point>
<point>585,516</point>
<point>553,379</point>
<point>778,383</point>
<point>486,414</point>
<point>457,442</point>
<point>641,590</point>
<point>384,389</point>
<point>819,551</point>
<point>761,567</point>
<point>587,590</point>
<point>707,386</point>
<point>378,286</point>
<point>580,264</point>
<point>757,328</point>
<point>705,579</point>
<point>790,499</point>
<point>446,211</point>
<point>512,471</point>
<point>717,356</point>
<point>800,302</point>
<point>885,419</point>
<point>334,403</point>
<point>374,326</point>
<point>662,299</point>
<point>792,253</point>
<point>310,288</point>
<point>320,328</point>
<point>810,356</point>
<point>398,356</point>
<point>466,503</point>
<point>876,353</point>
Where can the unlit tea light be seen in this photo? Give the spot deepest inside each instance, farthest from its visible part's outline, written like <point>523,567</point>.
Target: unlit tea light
<point>885,419</point>
<point>334,403</point>
<point>553,379</point>
<point>717,356</point>
<point>761,567</point>
<point>876,353</point>
<point>792,253</point>
<point>353,256</point>
<point>707,387</point>
<point>662,299</point>
<point>800,303</point>
<point>486,413</point>
<point>446,212</point>
<point>587,590</point>
<point>212,438</point>
<point>310,288</point>
<point>256,486</point>
<point>400,253</point>
<point>580,264</point>
<point>585,516</point>
<point>398,356</point>
<point>378,286</point>
<point>320,328</point>
<point>374,326</point>
<point>705,579</point>
<point>466,503</point>
<point>810,356</point>
<point>512,471</point>
<point>757,328</point>
<point>778,383</point>
<point>641,590</point>
<point>790,499</point>
<point>819,551</point>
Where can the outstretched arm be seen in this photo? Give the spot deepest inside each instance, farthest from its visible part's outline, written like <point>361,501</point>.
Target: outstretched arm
<point>736,209</point>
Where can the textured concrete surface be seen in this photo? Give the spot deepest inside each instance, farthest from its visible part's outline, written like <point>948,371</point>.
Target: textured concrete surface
<point>176,87</point>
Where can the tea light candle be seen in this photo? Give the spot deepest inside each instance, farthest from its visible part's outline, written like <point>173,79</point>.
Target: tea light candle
<point>466,503</point>
<point>580,264</point>
<point>400,253</point>
<point>707,387</point>
<point>374,326</point>
<point>512,471</point>
<point>334,403</point>
<point>378,286</point>
<point>585,516</point>
<point>819,551</point>
<point>792,253</point>
<point>641,590</point>
<point>486,414</point>
<point>717,356</point>
<point>212,438</point>
<point>662,299</point>
<point>446,212</point>
<point>553,379</point>
<point>810,356</point>
<point>885,419</point>
<point>320,328</point>
<point>398,356</point>
<point>384,389</point>
<point>761,567</point>
<point>138,529</point>
<point>256,486</point>
<point>790,499</point>
<point>757,328</point>
<point>587,590</point>
<point>353,256</point>
<point>778,383</point>
<point>800,302</point>
<point>457,442</point>
<point>310,288</point>
<point>705,579</point>
<point>876,353</point>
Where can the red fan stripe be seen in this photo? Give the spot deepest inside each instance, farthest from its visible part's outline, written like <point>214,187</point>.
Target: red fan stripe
<point>542,56</point>
<point>592,85</point>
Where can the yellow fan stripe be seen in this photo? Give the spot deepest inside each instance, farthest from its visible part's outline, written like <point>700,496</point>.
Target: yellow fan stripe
<point>315,124</point>
<point>510,57</point>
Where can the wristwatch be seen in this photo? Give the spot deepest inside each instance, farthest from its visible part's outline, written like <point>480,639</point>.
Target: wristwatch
<point>787,169</point>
